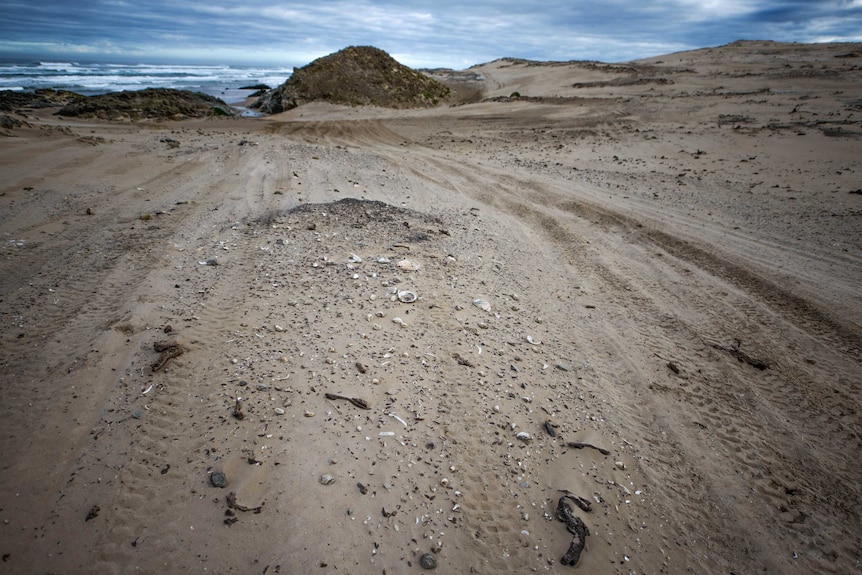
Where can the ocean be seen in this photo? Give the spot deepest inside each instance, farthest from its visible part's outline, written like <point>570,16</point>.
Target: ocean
<point>90,78</point>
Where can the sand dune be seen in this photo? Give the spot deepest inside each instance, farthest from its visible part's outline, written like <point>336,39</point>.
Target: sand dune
<point>660,259</point>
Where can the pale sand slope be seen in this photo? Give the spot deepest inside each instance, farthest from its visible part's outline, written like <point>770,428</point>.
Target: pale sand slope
<point>638,230</point>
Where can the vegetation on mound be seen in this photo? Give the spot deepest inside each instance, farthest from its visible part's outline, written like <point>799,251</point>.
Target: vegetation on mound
<point>45,98</point>
<point>355,76</point>
<point>152,103</point>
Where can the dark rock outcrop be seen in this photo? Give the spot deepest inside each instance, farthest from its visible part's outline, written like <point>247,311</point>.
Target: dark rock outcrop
<point>355,76</point>
<point>152,103</point>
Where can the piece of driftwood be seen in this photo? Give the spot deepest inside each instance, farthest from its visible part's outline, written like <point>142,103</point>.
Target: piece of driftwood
<point>360,403</point>
<point>167,350</point>
<point>232,504</point>
<point>742,356</point>
<point>237,409</point>
<point>579,445</point>
<point>576,527</point>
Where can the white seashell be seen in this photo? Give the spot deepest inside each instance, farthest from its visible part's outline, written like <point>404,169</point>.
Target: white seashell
<point>355,259</point>
<point>398,320</point>
<point>279,411</point>
<point>530,340</point>
<point>407,265</point>
<point>401,421</point>
<point>524,436</point>
<point>482,304</point>
<point>407,296</point>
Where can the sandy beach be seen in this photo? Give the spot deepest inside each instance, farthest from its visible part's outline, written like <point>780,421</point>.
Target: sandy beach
<point>400,336</point>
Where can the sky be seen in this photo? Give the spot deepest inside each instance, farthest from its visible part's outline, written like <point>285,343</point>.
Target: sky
<point>420,34</point>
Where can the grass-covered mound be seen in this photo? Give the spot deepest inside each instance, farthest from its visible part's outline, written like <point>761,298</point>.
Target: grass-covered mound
<point>152,103</point>
<point>355,76</point>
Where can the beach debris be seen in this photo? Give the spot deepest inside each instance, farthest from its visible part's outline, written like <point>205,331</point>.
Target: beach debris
<point>360,403</point>
<point>326,479</point>
<point>482,304</point>
<point>584,504</point>
<point>209,262</point>
<point>428,561</point>
<point>399,321</point>
<point>407,296</point>
<point>407,265</point>
<point>673,367</point>
<point>148,390</point>
<point>742,356</point>
<point>218,479</point>
<point>362,488</point>
<point>398,419</point>
<point>576,527</point>
<point>462,360</point>
<point>579,445</point>
<point>279,411</point>
<point>360,367</point>
<point>93,513</point>
<point>531,341</point>
<point>524,436</point>
<point>237,409</point>
<point>168,351</point>
<point>550,428</point>
<point>354,259</point>
<point>232,504</point>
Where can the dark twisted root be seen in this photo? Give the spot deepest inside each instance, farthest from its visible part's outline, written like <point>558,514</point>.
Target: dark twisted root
<point>360,403</point>
<point>576,527</point>
<point>168,351</point>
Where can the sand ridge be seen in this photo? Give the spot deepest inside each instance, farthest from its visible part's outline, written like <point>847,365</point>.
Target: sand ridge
<point>634,239</point>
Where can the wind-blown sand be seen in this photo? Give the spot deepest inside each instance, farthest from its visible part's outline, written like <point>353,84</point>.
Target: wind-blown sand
<point>680,240</point>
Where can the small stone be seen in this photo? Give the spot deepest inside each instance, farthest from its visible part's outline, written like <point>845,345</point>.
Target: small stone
<point>428,561</point>
<point>218,479</point>
<point>279,411</point>
<point>327,479</point>
<point>524,436</point>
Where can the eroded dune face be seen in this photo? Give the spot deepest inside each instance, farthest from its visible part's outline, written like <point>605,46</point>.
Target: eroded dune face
<point>666,260</point>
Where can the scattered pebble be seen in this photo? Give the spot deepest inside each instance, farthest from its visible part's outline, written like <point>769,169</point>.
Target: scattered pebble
<point>327,479</point>
<point>218,479</point>
<point>428,561</point>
